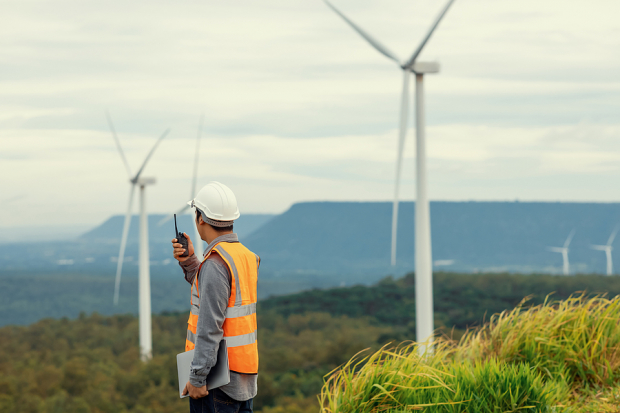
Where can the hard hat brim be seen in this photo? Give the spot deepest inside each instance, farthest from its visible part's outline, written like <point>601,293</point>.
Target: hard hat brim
<point>210,221</point>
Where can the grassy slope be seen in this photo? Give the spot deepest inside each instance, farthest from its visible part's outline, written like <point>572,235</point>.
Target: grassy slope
<point>559,356</point>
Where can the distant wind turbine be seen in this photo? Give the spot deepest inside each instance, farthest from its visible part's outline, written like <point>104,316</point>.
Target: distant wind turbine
<point>423,255</point>
<point>564,251</point>
<point>146,342</point>
<point>197,241</point>
<point>608,248</point>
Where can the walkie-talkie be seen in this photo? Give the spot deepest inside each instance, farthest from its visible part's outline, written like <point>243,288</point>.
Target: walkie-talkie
<point>181,238</point>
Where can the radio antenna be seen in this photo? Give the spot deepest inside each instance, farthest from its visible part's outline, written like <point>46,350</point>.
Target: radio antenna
<point>175,225</point>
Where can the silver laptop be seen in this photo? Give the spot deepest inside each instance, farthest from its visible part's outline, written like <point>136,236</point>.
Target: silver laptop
<point>218,376</point>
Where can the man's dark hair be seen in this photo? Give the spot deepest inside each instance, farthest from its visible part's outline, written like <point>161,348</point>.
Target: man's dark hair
<point>218,229</point>
<point>222,229</point>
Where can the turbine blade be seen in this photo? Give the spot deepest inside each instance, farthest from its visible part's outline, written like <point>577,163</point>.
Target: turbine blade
<point>373,42</point>
<point>196,156</point>
<point>556,249</point>
<point>417,51</point>
<point>612,237</point>
<point>404,112</point>
<point>150,154</point>
<point>599,247</point>
<point>121,253</point>
<point>118,143</point>
<point>569,239</point>
<point>169,217</point>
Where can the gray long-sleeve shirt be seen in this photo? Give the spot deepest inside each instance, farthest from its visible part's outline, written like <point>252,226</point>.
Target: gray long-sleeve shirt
<point>214,282</point>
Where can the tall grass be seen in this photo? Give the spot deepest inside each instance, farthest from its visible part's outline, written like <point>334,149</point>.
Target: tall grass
<point>577,339</point>
<point>532,359</point>
<point>400,380</point>
<point>384,379</point>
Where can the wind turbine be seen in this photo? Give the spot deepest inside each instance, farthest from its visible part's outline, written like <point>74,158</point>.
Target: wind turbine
<point>564,251</point>
<point>197,242</point>
<point>423,260</point>
<point>146,342</point>
<point>608,248</point>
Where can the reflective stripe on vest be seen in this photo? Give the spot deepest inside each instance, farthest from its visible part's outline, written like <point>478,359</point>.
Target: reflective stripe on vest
<point>241,311</point>
<point>240,329</point>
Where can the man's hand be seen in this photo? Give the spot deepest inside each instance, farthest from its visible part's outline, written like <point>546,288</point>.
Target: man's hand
<point>195,392</point>
<point>178,249</point>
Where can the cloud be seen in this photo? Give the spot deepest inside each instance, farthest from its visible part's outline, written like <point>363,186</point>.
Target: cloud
<point>298,107</point>
<point>79,177</point>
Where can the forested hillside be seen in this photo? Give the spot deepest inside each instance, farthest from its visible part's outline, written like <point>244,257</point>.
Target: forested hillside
<point>460,300</point>
<point>91,364</point>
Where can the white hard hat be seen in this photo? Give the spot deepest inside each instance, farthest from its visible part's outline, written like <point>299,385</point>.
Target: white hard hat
<point>217,204</point>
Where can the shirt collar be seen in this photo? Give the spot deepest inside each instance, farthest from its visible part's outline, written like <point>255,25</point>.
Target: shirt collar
<point>222,238</point>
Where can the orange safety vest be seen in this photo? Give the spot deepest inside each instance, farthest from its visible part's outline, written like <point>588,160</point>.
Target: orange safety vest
<point>239,327</point>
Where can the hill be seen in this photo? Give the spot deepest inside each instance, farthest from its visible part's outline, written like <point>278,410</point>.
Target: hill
<point>355,237</point>
<point>95,251</point>
<point>325,244</point>
<point>111,229</point>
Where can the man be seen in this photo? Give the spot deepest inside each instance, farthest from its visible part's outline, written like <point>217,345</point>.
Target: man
<point>223,304</point>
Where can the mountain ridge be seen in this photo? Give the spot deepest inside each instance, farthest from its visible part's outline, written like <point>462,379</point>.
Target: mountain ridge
<point>351,241</point>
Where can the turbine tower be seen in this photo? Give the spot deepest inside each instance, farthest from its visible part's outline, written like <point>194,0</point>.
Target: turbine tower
<point>146,342</point>
<point>608,248</point>
<point>423,254</point>
<point>564,251</point>
<point>197,241</point>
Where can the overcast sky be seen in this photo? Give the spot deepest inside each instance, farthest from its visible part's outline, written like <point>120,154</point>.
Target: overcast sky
<point>298,107</point>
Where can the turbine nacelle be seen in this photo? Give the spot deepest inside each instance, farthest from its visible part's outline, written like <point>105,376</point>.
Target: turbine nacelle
<point>558,249</point>
<point>421,68</point>
<point>143,181</point>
